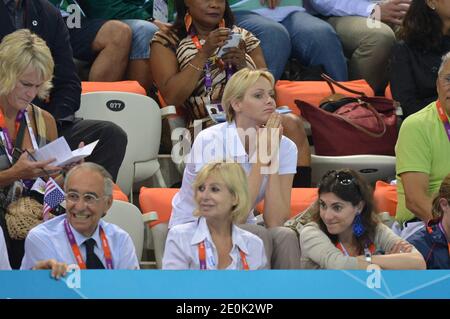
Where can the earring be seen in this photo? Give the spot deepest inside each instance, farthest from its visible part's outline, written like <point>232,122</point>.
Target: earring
<point>358,227</point>
<point>187,21</point>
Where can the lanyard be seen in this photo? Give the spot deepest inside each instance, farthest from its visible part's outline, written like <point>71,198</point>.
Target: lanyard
<point>6,137</point>
<point>208,77</point>
<point>202,257</point>
<point>76,249</point>
<point>443,231</point>
<point>443,118</point>
<point>341,247</point>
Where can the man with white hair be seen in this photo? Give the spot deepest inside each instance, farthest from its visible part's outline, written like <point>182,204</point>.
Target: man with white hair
<point>80,236</point>
<point>423,156</point>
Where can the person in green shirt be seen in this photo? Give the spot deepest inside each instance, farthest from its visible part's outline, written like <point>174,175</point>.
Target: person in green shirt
<point>423,156</point>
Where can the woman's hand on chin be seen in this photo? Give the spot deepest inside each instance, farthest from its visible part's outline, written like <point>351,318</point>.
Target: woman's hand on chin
<point>269,136</point>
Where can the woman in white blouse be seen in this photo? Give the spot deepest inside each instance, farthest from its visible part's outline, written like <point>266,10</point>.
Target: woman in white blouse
<point>213,241</point>
<point>249,103</point>
<point>345,232</point>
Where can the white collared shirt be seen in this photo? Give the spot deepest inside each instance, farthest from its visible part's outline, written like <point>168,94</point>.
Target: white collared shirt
<point>221,142</point>
<point>181,250</point>
<point>4,260</point>
<point>49,241</point>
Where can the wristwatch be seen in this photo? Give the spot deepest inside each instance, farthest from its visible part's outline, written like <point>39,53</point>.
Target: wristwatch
<point>368,256</point>
<point>151,19</point>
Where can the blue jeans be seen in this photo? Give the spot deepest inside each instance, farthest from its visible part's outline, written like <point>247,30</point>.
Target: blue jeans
<point>143,32</point>
<point>310,40</point>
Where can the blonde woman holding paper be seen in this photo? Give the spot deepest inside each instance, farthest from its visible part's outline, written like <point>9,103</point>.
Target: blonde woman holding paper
<point>26,69</point>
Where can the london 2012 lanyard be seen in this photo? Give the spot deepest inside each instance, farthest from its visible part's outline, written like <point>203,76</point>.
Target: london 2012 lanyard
<point>443,231</point>
<point>443,118</point>
<point>76,249</point>
<point>22,118</point>
<point>202,257</point>
<point>208,77</point>
<point>341,247</point>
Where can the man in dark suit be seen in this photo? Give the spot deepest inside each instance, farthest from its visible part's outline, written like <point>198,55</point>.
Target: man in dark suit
<point>42,18</point>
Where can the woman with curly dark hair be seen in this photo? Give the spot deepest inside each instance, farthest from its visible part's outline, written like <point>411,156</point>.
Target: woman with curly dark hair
<point>425,38</point>
<point>345,232</point>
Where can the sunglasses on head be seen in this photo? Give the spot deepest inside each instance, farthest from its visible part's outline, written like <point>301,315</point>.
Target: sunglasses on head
<point>344,178</point>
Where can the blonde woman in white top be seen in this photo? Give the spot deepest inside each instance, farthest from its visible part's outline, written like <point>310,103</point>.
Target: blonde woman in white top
<point>213,241</point>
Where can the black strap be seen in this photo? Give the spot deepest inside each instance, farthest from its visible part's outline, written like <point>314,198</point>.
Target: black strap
<point>17,151</point>
<point>35,122</point>
<point>332,82</point>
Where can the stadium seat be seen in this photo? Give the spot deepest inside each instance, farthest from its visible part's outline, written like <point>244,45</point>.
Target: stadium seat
<point>301,198</point>
<point>119,86</point>
<point>386,197</point>
<point>140,117</point>
<point>129,218</point>
<point>158,201</point>
<point>371,167</point>
<point>118,194</point>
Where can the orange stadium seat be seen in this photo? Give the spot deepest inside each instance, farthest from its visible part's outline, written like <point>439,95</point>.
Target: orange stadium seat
<point>313,91</point>
<point>160,200</point>
<point>386,197</point>
<point>120,86</point>
<point>118,194</point>
<point>301,198</point>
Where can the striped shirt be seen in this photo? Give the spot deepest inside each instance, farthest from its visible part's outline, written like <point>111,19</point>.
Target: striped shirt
<point>185,50</point>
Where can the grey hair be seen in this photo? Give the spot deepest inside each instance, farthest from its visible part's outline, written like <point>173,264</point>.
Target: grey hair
<point>107,179</point>
<point>444,60</point>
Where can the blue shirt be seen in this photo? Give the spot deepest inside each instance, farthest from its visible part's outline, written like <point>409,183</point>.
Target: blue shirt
<point>433,246</point>
<point>49,241</point>
<point>4,261</point>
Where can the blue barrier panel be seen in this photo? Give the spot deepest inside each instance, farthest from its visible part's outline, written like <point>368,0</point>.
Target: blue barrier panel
<point>266,284</point>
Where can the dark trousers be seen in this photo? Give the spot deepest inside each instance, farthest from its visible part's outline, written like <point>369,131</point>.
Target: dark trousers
<point>111,147</point>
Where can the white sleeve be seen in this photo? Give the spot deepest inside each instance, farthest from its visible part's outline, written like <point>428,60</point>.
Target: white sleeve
<point>175,252</point>
<point>288,157</point>
<point>36,249</point>
<point>262,256</point>
<point>128,258</point>
<point>4,260</point>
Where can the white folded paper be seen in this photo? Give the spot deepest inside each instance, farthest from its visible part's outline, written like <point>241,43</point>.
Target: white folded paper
<point>60,150</point>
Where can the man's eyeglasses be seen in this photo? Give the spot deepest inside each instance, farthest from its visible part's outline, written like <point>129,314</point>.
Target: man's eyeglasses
<point>89,199</point>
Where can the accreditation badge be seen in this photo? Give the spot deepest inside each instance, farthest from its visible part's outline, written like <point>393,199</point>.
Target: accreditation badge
<point>216,112</point>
